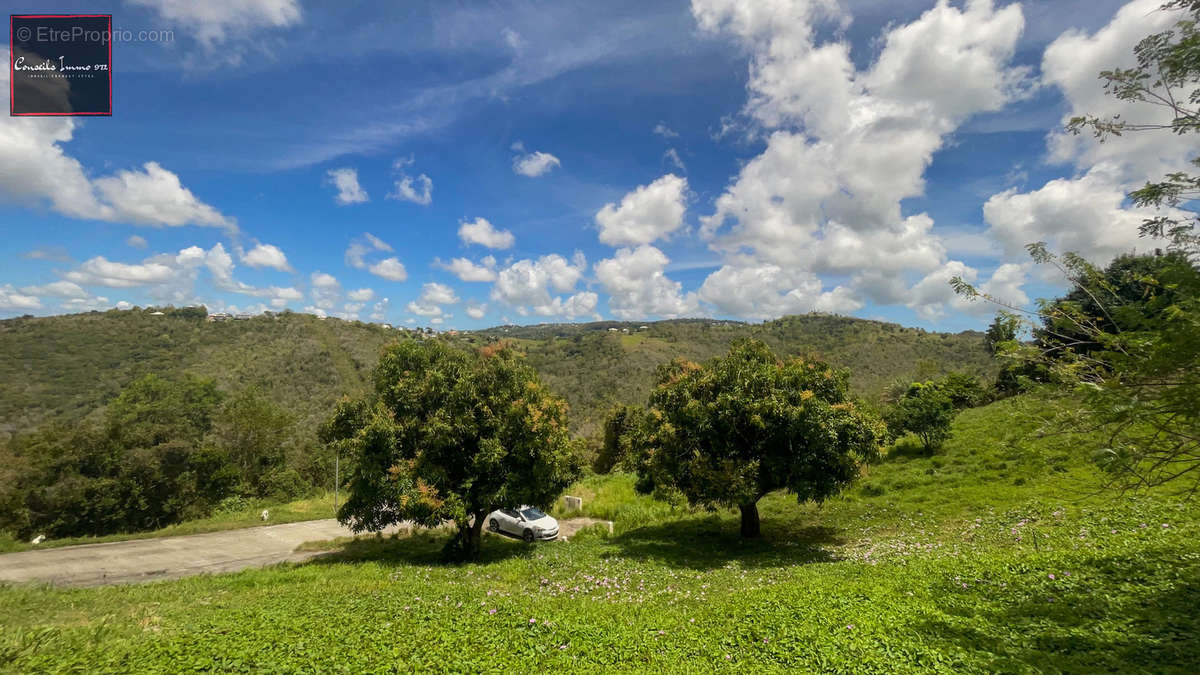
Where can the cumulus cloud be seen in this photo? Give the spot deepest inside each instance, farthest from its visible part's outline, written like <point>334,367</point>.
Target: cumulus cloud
<point>638,287</point>
<point>348,190</point>
<point>529,286</point>
<point>11,299</point>
<point>476,311</point>
<point>362,246</point>
<point>361,295</point>
<point>135,241</point>
<point>379,310</point>
<point>35,170</point>
<point>418,189</point>
<point>325,290</point>
<point>218,21</point>
<point>535,163</point>
<point>58,289</point>
<point>648,213</point>
<point>390,269</point>
<point>266,255</point>
<point>1086,213</point>
<point>168,277</point>
<point>433,296</point>
<point>485,234</point>
<point>844,147</point>
<point>465,270</point>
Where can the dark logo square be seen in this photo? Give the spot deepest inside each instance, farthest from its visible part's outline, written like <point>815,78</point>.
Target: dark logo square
<point>60,64</point>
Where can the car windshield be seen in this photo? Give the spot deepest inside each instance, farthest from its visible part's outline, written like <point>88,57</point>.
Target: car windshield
<point>532,514</point>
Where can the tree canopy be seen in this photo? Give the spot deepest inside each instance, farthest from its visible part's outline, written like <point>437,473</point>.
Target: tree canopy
<point>450,434</point>
<point>729,431</point>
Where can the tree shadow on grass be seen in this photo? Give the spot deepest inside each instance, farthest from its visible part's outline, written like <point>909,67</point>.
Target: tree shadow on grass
<point>1124,614</point>
<point>712,542</point>
<point>420,548</point>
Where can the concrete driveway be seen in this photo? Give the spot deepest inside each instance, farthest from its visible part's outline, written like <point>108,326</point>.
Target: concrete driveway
<point>141,560</point>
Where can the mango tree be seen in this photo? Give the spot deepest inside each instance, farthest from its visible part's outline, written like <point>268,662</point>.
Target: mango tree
<point>451,435</point>
<point>729,431</point>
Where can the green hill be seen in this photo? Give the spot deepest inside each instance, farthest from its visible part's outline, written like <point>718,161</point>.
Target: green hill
<point>994,555</point>
<point>64,368</point>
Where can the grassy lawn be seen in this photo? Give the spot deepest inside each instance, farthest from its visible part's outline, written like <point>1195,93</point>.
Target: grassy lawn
<point>313,508</point>
<point>995,555</point>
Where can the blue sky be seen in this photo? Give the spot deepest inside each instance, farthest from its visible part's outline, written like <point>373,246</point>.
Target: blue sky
<point>469,164</point>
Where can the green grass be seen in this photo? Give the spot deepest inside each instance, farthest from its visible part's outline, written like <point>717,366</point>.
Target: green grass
<point>312,508</point>
<point>994,555</point>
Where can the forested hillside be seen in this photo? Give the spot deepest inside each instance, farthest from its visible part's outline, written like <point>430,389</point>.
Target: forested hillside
<point>65,368</point>
<point>594,368</point>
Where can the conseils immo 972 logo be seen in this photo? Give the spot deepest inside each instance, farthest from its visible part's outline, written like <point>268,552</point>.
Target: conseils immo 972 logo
<point>60,64</point>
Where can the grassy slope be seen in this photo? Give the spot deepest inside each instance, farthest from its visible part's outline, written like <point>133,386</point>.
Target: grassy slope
<point>66,367</point>
<point>929,565</point>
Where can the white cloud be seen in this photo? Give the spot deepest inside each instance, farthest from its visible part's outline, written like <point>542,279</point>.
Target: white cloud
<point>466,270</point>
<point>535,164</point>
<point>433,295</point>
<point>476,311</point>
<point>55,253</point>
<point>58,289</point>
<point>638,287</point>
<point>135,241</point>
<point>267,255</point>
<point>1084,215</point>
<point>390,269</point>
<point>844,148</point>
<point>1071,63</point>
<point>100,271</point>
<point>325,290</point>
<point>346,181</point>
<point>155,196</point>
<point>527,285</point>
<point>672,156</point>
<point>217,21</point>
<point>35,170</point>
<point>361,246</point>
<point>440,294</point>
<point>418,190</point>
<point>379,310</point>
<point>648,213</point>
<point>11,299</point>
<point>932,297</point>
<point>361,295</point>
<point>485,234</point>
<point>663,130</point>
<point>763,290</point>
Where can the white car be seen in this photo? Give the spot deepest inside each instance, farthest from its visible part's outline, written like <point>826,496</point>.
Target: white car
<point>525,523</point>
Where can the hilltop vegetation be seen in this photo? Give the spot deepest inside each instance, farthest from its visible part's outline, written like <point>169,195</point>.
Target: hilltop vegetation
<point>64,368</point>
<point>993,555</point>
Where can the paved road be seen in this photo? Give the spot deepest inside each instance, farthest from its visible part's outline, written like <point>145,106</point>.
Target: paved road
<point>141,560</point>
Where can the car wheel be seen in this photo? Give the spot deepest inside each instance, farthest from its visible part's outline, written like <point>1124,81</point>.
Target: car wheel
<point>493,525</point>
<point>528,535</point>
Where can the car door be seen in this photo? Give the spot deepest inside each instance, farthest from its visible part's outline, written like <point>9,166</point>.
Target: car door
<point>511,523</point>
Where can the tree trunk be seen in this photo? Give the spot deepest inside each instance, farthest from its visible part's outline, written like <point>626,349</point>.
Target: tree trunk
<point>472,542</point>
<point>749,520</point>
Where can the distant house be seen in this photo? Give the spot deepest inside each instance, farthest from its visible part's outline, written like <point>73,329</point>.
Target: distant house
<point>612,330</point>
<point>157,314</point>
<point>243,317</point>
<point>387,326</point>
<point>625,330</point>
<point>219,316</point>
<point>643,327</point>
